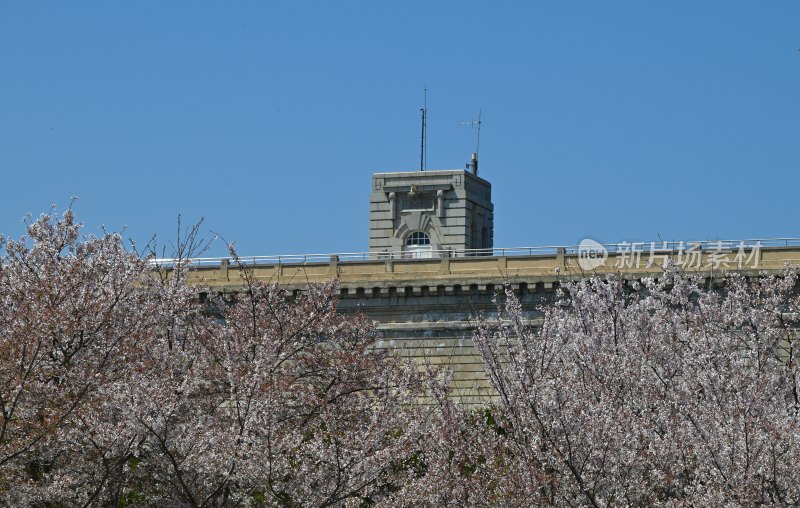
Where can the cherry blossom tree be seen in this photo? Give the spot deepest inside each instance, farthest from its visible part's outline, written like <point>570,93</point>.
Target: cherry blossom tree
<point>285,403</point>
<point>661,392</point>
<point>70,310</point>
<point>118,388</point>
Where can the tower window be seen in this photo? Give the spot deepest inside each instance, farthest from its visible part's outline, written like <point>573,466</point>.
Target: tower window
<point>418,238</point>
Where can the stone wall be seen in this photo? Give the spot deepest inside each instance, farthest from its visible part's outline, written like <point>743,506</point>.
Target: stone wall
<point>453,207</point>
<point>427,307</point>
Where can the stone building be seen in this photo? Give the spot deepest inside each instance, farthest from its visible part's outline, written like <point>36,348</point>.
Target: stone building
<point>427,214</point>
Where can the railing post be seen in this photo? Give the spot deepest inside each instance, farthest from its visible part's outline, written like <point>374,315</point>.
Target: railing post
<point>502,263</point>
<point>445,266</point>
<point>560,261</point>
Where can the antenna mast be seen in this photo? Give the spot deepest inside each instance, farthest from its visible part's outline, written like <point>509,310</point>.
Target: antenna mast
<point>423,156</point>
<point>478,144</point>
<point>476,123</point>
<point>473,164</point>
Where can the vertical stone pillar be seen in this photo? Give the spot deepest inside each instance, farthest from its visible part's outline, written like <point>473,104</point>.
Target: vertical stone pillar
<point>392,206</point>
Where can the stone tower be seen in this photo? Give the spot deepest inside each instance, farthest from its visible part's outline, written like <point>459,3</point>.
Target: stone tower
<point>424,214</point>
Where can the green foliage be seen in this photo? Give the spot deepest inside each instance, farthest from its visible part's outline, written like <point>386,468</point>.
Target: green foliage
<point>491,422</point>
<point>131,499</point>
<point>134,462</point>
<point>414,464</point>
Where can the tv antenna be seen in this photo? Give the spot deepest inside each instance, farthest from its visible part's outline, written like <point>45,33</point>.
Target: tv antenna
<point>475,124</point>
<point>423,154</point>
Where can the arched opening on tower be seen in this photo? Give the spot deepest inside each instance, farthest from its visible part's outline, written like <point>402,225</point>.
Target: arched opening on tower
<point>418,245</point>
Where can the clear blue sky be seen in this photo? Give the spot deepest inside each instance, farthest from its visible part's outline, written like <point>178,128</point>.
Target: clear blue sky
<point>620,121</point>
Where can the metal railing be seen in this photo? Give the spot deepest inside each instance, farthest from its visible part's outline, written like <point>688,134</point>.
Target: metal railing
<point>547,250</point>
